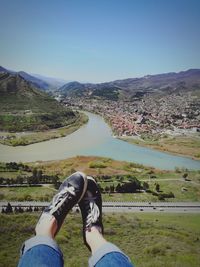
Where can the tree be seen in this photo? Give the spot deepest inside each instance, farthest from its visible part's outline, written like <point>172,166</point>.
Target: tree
<point>56,182</point>
<point>157,187</point>
<point>19,180</point>
<point>121,179</point>
<point>145,185</point>
<point>8,181</point>
<point>131,187</point>
<point>107,189</point>
<point>34,172</point>
<point>118,188</point>
<point>185,175</point>
<point>112,189</point>
<point>39,175</point>
<point>9,208</point>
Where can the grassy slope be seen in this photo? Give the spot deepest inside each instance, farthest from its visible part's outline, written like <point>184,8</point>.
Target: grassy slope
<point>27,193</point>
<point>63,168</point>
<point>25,108</point>
<point>150,240</point>
<point>45,113</point>
<point>46,193</point>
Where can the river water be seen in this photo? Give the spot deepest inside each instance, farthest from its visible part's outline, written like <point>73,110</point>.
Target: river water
<point>94,138</point>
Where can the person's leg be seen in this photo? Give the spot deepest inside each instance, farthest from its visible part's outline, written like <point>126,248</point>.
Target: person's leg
<point>42,250</point>
<point>111,259</point>
<point>42,256</point>
<point>104,254</point>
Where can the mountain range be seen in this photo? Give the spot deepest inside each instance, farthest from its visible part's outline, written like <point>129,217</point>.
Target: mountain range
<point>118,89</point>
<point>135,87</point>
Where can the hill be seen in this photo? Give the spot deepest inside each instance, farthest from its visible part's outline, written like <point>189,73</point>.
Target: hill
<point>37,82</point>
<point>135,87</point>
<point>25,108</point>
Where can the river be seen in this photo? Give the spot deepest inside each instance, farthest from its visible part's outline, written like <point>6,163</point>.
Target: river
<point>94,138</point>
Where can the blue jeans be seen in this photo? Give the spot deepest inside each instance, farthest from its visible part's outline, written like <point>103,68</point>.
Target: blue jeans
<point>41,251</point>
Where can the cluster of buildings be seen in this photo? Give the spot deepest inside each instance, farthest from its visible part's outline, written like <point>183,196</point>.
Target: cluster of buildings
<point>149,115</point>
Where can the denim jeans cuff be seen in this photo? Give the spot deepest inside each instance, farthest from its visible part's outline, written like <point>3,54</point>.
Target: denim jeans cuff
<point>39,240</point>
<point>102,251</point>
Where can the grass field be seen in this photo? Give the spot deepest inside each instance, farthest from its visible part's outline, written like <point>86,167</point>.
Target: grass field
<point>27,193</point>
<point>169,181</point>
<point>46,193</point>
<point>150,240</point>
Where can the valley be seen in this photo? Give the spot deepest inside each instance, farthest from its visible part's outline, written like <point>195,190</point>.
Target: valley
<point>160,111</point>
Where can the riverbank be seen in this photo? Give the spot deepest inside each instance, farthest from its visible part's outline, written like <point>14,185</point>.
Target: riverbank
<point>185,144</point>
<point>95,139</point>
<point>27,138</point>
<point>181,145</point>
<point>177,137</point>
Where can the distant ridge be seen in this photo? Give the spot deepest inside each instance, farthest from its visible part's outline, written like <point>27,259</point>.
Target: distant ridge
<point>114,90</point>
<point>127,87</point>
<point>2,69</point>
<point>54,83</point>
<point>35,81</point>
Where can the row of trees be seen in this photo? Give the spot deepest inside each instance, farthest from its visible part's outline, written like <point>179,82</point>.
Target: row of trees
<point>137,186</point>
<point>18,209</point>
<point>29,180</point>
<point>127,187</point>
<point>13,166</point>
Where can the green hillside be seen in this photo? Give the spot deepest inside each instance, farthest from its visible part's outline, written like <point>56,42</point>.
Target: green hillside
<point>25,108</point>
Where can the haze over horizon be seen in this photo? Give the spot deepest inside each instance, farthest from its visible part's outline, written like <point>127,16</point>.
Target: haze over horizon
<point>98,41</point>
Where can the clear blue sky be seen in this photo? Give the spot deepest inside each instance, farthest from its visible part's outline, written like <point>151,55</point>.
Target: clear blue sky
<point>99,40</point>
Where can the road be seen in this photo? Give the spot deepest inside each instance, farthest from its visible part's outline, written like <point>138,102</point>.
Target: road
<point>164,207</point>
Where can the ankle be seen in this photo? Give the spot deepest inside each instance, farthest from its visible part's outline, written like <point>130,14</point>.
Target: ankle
<point>46,226</point>
<point>94,238</point>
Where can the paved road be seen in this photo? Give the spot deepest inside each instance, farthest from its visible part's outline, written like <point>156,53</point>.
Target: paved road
<point>164,207</point>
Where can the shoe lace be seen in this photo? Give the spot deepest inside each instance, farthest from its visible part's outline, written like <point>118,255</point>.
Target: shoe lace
<point>93,215</point>
<point>60,198</point>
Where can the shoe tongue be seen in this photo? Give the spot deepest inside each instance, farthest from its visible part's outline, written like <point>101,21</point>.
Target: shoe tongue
<point>89,194</point>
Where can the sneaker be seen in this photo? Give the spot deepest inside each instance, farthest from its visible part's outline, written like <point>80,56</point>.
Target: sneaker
<point>69,194</point>
<point>91,208</point>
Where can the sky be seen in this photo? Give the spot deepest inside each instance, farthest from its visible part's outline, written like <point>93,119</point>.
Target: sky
<point>99,40</point>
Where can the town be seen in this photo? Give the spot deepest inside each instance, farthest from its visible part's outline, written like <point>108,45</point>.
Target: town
<point>149,115</point>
